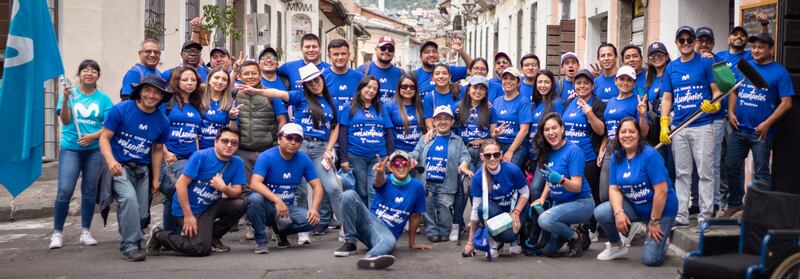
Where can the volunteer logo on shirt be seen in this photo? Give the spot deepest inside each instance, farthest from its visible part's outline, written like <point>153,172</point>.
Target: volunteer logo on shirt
<point>608,89</point>
<point>143,127</point>
<point>211,112</point>
<point>287,175</point>
<point>86,112</point>
<point>626,174</point>
<point>382,80</point>
<point>612,111</point>
<point>685,77</point>
<point>342,87</point>
<point>495,186</point>
<point>503,111</point>
<point>574,114</point>
<point>190,114</point>
<point>398,199</point>
<point>439,148</point>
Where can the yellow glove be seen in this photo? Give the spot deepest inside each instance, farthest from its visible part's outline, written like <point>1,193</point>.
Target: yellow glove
<point>664,135</point>
<point>707,107</point>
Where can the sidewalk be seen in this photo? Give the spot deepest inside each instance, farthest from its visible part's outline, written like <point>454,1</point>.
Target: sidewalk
<point>38,200</point>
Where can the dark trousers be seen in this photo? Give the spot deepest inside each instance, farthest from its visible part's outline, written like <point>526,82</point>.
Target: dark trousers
<point>212,224</point>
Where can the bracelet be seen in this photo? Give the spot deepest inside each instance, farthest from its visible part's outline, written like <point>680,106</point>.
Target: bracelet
<point>618,211</point>
<point>515,211</point>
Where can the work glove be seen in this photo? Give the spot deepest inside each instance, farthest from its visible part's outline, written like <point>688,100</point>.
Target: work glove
<point>664,135</point>
<point>551,176</point>
<point>707,107</point>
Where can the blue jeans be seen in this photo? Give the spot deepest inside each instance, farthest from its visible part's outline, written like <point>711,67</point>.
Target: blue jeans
<point>739,143</point>
<point>332,199</point>
<point>653,251</point>
<point>262,212</point>
<point>360,224</point>
<point>71,163</point>
<point>537,184</point>
<point>132,193</point>
<point>557,221</point>
<point>460,202</point>
<point>438,217</point>
<point>365,176</point>
<point>519,156</point>
<point>169,176</point>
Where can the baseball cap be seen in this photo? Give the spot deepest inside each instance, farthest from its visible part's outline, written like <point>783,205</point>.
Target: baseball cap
<point>191,44</point>
<point>478,79</point>
<point>740,29</point>
<point>385,40</point>
<point>684,28</point>
<point>705,31</point>
<point>399,153</point>
<point>267,50</point>
<point>220,49</point>
<point>657,47</point>
<point>626,71</point>
<point>503,54</point>
<point>428,43</point>
<point>511,70</point>
<point>291,129</point>
<point>585,72</point>
<point>764,37</point>
<point>567,55</point>
<point>442,109</point>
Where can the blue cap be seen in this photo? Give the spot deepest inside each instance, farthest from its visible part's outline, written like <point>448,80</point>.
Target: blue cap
<point>478,79</point>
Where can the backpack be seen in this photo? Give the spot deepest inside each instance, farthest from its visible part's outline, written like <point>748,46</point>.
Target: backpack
<point>533,237</point>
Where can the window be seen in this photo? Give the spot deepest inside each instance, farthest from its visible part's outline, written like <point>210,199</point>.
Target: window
<point>192,11</point>
<point>565,9</point>
<point>519,34</point>
<point>154,21</point>
<point>279,42</point>
<point>533,27</point>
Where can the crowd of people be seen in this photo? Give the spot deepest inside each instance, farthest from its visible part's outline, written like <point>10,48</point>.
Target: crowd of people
<point>385,151</point>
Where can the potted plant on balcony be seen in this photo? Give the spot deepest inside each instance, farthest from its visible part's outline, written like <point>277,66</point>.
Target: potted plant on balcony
<point>220,18</point>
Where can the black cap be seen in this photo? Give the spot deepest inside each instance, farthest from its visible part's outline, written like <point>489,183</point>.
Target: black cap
<point>503,54</point>
<point>220,49</point>
<point>705,31</point>
<point>657,47</point>
<point>428,43</point>
<point>152,80</point>
<point>267,50</point>
<point>191,44</point>
<point>739,28</point>
<point>764,37</point>
<point>684,28</point>
<point>584,72</point>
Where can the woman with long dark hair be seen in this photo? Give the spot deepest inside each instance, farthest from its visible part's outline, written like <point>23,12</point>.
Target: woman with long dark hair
<point>445,93</point>
<point>657,61</point>
<point>365,136</point>
<point>217,107</point>
<point>543,101</point>
<point>479,67</point>
<point>513,119</point>
<point>80,151</point>
<point>561,163</point>
<point>406,114</point>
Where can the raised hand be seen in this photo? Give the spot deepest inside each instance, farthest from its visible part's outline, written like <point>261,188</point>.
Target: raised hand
<point>500,129</point>
<point>586,108</point>
<point>642,106</point>
<point>595,69</point>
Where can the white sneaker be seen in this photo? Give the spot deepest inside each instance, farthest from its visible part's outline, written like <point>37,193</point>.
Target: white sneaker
<point>87,239</point>
<point>593,236</point>
<point>56,240</point>
<point>454,232</point>
<point>515,249</point>
<point>303,238</point>
<point>250,235</point>
<point>634,229</point>
<point>612,252</point>
<point>341,235</point>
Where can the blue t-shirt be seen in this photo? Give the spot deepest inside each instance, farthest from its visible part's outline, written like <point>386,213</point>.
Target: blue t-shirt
<point>732,59</point>
<point>282,176</point>
<point>568,161</point>
<point>276,84</point>
<point>393,204</point>
<point>577,128</point>
<point>566,88</point>
<point>605,88</point>
<point>495,90</point>
<point>184,129</point>
<point>636,179</point>
<point>431,101</point>
<point>88,111</point>
<point>134,76</point>
<point>387,79</point>
<point>214,119</point>
<point>303,115</point>
<point>425,79</point>
<point>754,105</point>
<point>202,166</point>
<point>291,70</point>
<point>641,79</point>
<point>341,87</point>
<point>404,139</point>
<point>526,90</point>
<point>689,82</point>
<point>514,112</point>
<point>366,130</point>
<point>616,110</point>
<point>538,112</point>
<point>436,160</point>
<point>504,185</point>
<point>135,132</point>
<point>202,71</point>
<point>471,131</point>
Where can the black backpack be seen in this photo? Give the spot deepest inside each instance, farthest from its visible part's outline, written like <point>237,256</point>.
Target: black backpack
<point>533,237</point>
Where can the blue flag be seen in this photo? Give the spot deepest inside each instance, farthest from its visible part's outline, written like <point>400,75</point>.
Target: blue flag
<point>32,57</point>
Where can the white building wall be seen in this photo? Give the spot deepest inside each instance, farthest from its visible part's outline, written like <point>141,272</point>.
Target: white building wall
<point>595,12</point>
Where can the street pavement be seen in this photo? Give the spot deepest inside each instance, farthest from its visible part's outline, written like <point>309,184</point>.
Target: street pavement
<point>24,253</point>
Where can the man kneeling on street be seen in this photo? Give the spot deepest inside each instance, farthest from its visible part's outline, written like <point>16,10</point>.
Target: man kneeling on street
<point>198,205</point>
<point>276,175</point>
<point>398,199</point>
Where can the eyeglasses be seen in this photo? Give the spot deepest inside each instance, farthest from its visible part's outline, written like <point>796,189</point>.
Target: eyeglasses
<point>408,87</point>
<point>229,142</point>
<point>389,48</point>
<point>685,40</point>
<point>656,56</point>
<point>294,138</point>
<point>479,69</point>
<point>495,155</point>
<point>498,62</point>
<point>400,163</point>
<point>269,57</point>
<point>151,51</point>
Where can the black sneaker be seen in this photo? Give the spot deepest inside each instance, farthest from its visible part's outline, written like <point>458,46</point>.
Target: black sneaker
<point>319,229</point>
<point>434,238</point>
<point>283,241</point>
<point>135,255</point>
<point>153,245</point>
<point>347,249</point>
<point>575,246</point>
<point>376,262</point>
<point>584,233</point>
<point>217,246</point>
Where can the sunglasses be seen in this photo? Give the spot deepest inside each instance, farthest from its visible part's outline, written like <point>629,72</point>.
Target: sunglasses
<point>408,87</point>
<point>685,40</point>
<point>473,114</point>
<point>294,138</point>
<point>389,48</point>
<point>229,142</point>
<point>368,114</point>
<point>400,163</point>
<point>495,155</point>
